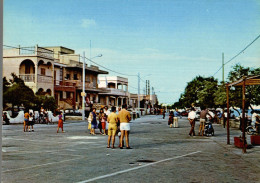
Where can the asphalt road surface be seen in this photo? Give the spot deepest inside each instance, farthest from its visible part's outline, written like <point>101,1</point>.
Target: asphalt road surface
<point>159,154</point>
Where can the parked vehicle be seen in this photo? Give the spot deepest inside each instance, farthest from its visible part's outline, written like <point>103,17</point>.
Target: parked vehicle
<point>184,113</point>
<point>72,112</point>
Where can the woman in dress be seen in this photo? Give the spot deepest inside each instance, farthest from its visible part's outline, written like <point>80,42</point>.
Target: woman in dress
<point>60,123</point>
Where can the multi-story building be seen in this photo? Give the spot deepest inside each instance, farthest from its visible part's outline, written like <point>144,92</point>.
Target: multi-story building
<point>35,65</point>
<point>54,71</point>
<point>114,91</point>
<point>68,83</point>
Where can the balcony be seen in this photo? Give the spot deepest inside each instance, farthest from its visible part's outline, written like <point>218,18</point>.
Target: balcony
<point>27,77</point>
<point>114,91</point>
<point>44,79</point>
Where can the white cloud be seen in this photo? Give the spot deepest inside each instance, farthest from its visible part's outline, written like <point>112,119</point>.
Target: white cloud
<point>86,23</point>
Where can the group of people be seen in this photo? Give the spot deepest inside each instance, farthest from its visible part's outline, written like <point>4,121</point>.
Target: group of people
<point>204,116</point>
<point>28,121</point>
<point>112,124</point>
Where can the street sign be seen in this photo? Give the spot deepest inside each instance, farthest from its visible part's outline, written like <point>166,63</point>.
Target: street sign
<point>83,94</point>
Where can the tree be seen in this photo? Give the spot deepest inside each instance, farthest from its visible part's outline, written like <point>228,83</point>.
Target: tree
<point>49,103</point>
<point>18,94</point>
<point>199,92</point>
<point>252,92</point>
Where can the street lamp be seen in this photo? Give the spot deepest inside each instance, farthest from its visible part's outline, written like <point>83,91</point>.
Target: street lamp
<point>83,94</point>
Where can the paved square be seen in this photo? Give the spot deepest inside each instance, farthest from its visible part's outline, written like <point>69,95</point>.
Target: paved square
<point>159,154</point>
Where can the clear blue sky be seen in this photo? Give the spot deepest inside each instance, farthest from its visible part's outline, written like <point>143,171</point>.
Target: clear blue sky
<point>169,42</point>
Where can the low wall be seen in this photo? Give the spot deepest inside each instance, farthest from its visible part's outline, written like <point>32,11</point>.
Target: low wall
<point>20,117</point>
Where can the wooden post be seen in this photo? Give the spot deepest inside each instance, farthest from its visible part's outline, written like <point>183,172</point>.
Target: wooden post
<point>228,134</point>
<point>243,117</point>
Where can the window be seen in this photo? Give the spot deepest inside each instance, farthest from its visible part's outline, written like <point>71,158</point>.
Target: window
<point>67,94</point>
<point>87,78</point>
<point>68,76</point>
<point>61,95</point>
<point>75,77</point>
<point>42,71</point>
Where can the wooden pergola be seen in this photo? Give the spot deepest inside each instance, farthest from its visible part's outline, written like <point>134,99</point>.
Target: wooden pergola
<point>245,81</point>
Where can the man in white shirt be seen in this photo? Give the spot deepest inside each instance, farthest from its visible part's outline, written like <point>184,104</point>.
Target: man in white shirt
<point>191,118</point>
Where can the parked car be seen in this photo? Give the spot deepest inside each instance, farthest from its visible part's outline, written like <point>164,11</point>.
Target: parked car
<point>72,112</point>
<point>184,113</point>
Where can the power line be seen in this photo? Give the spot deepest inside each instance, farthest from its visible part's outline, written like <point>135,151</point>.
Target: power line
<point>237,54</point>
<point>108,68</point>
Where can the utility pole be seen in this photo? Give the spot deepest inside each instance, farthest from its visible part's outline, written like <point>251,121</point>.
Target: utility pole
<point>223,68</point>
<point>83,88</point>
<point>148,87</point>
<point>138,93</point>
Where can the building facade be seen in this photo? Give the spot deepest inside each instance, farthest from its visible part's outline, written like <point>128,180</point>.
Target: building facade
<point>114,91</point>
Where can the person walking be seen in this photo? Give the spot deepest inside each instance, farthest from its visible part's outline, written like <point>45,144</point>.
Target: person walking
<point>60,123</point>
<point>170,120</point>
<point>191,118</point>
<point>203,117</point>
<point>124,118</point>
<point>112,127</point>
<point>164,113</point>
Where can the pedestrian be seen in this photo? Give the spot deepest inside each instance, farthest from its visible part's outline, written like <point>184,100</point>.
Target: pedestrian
<point>170,120</point>
<point>93,118</point>
<point>112,127</point>
<point>175,119</point>
<point>26,121</point>
<point>102,122</point>
<point>203,118</point>
<point>6,119</point>
<point>124,117</point>
<point>164,113</point>
<point>191,118</point>
<point>107,112</point>
<point>31,122</point>
<point>60,123</point>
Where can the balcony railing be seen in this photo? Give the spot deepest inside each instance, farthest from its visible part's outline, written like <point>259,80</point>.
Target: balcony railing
<point>44,79</point>
<point>75,83</point>
<point>27,77</point>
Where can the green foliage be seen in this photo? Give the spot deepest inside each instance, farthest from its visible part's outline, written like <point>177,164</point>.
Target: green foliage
<point>18,94</point>
<point>206,92</point>
<point>49,103</point>
<point>199,92</point>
